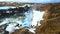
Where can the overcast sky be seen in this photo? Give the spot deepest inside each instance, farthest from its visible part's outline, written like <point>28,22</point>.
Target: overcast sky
<point>35,1</point>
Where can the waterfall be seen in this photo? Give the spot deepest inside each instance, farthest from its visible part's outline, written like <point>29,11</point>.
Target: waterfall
<point>28,18</point>
<point>37,16</point>
<point>32,17</point>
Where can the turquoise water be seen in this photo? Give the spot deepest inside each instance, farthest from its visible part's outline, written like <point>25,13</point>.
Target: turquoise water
<point>22,20</point>
<point>31,17</point>
<point>6,7</point>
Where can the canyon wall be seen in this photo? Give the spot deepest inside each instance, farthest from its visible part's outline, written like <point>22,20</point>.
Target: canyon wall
<point>22,31</point>
<point>51,22</point>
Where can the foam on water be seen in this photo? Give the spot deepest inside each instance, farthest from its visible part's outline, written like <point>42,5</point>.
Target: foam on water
<point>37,16</point>
<point>32,17</point>
<point>6,7</point>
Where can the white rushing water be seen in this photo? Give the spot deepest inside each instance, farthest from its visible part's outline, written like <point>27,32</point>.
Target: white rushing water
<point>6,7</point>
<point>37,16</point>
<point>32,17</point>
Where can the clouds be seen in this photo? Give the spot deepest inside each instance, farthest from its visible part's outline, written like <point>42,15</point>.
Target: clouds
<point>35,1</point>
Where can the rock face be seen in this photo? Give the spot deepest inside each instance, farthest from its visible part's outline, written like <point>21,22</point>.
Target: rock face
<point>51,22</point>
<point>22,31</point>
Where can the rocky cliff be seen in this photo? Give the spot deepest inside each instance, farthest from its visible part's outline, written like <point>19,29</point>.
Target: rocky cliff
<point>51,22</point>
<point>22,31</point>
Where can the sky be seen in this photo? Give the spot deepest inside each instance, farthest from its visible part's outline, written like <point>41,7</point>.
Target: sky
<point>34,1</point>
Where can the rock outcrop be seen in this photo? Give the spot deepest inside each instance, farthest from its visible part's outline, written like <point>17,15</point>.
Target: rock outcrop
<point>22,31</point>
<point>51,22</point>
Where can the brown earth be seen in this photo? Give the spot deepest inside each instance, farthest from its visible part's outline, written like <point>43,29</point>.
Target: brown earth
<point>22,31</point>
<point>51,22</point>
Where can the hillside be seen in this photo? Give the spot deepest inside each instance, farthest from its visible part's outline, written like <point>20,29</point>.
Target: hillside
<point>51,22</point>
